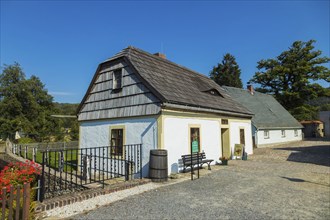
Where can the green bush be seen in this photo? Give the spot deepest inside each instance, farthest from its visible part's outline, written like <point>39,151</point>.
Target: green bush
<point>25,140</point>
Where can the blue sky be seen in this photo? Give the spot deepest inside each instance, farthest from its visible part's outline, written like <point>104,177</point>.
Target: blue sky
<point>62,42</point>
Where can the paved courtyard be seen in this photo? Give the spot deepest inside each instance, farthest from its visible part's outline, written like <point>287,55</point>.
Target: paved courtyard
<point>286,182</point>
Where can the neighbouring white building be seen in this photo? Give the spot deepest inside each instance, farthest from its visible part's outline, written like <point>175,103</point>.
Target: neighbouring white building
<point>140,98</point>
<point>272,124</point>
<point>324,116</point>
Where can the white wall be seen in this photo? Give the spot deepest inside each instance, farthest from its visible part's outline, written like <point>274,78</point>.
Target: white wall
<point>324,116</point>
<point>177,140</point>
<point>137,131</point>
<point>235,135</point>
<point>275,137</point>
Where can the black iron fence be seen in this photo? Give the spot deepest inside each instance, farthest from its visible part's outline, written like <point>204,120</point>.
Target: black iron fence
<point>74,169</point>
<point>32,151</point>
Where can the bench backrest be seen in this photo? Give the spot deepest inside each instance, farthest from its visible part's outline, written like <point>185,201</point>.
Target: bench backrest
<point>193,156</point>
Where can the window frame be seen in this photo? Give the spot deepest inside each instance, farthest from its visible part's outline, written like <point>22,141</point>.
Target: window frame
<point>240,137</point>
<point>283,133</point>
<point>122,151</point>
<point>190,127</point>
<point>266,134</point>
<point>116,78</point>
<point>296,132</point>
<point>224,121</point>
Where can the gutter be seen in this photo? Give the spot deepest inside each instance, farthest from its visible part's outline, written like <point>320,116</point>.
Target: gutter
<point>208,110</point>
<point>277,128</point>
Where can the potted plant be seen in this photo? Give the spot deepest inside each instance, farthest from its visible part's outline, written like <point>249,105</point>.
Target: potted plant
<point>224,160</point>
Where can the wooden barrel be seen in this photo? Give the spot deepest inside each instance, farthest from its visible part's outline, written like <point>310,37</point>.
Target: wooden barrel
<point>158,165</point>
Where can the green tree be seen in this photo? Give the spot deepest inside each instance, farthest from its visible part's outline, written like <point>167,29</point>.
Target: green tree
<point>291,77</point>
<point>68,123</point>
<point>227,73</point>
<point>25,105</point>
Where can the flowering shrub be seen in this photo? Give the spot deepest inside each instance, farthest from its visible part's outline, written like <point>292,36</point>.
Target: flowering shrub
<point>223,158</point>
<point>19,173</point>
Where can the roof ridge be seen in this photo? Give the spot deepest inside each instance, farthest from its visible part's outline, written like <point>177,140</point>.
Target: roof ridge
<point>246,90</point>
<point>167,61</point>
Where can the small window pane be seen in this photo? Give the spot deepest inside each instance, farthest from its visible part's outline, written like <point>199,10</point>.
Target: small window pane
<point>242,136</point>
<point>116,141</point>
<point>295,133</point>
<point>224,121</point>
<point>266,134</point>
<point>117,79</point>
<point>283,133</point>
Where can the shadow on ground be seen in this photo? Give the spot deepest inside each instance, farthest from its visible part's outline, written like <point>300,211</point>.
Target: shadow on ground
<point>319,155</point>
<point>297,180</point>
<point>321,139</point>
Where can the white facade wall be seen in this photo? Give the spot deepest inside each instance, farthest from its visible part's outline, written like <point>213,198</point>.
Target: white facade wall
<point>177,139</point>
<point>137,131</point>
<point>235,135</point>
<point>324,116</point>
<point>275,137</point>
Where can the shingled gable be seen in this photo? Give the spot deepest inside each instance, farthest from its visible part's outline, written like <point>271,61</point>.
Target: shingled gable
<point>174,86</point>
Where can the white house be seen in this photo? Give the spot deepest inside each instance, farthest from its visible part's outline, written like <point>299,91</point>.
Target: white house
<point>272,124</point>
<point>140,98</point>
<point>324,116</point>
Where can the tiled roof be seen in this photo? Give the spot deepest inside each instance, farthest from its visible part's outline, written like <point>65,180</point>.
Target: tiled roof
<point>179,85</point>
<point>268,113</point>
<point>311,122</point>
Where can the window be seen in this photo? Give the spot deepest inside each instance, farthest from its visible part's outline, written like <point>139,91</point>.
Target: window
<point>117,80</point>
<point>117,141</point>
<point>242,136</point>
<point>195,140</point>
<point>224,121</point>
<point>283,133</point>
<point>266,134</point>
<point>296,133</point>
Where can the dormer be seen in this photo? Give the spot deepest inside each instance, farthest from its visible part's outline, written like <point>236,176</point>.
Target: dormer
<point>213,92</point>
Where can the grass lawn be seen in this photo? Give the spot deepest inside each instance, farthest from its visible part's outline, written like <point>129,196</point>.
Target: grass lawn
<point>70,159</point>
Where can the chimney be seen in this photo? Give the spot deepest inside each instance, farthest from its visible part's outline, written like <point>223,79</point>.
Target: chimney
<point>161,55</point>
<point>250,88</point>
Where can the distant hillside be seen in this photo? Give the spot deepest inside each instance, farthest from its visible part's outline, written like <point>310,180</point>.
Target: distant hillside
<point>66,108</point>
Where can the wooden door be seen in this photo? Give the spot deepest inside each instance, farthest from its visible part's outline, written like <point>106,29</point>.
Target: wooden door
<point>225,142</point>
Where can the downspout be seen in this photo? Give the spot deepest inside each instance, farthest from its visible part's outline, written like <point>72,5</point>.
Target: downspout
<point>256,136</point>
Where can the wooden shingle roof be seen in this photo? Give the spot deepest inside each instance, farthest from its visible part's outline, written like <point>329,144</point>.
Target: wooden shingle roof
<point>179,87</point>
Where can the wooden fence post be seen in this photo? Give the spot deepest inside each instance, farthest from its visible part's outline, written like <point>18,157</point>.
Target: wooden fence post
<point>26,201</point>
<point>86,167</point>
<point>11,198</point>
<point>4,191</point>
<point>18,204</point>
<point>25,153</point>
<point>60,161</point>
<point>33,154</point>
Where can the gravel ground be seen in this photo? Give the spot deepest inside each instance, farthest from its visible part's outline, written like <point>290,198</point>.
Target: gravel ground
<point>290,181</point>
